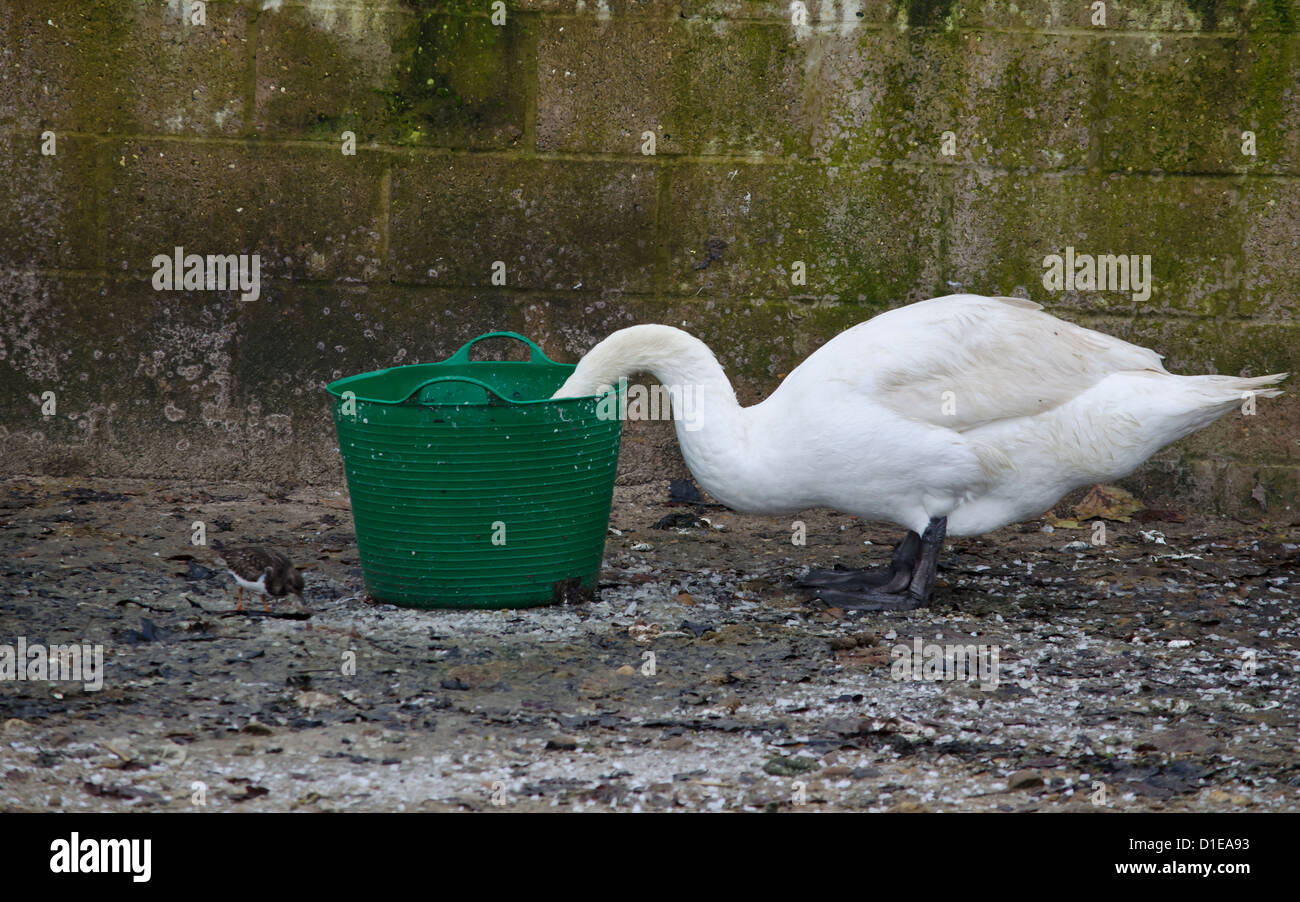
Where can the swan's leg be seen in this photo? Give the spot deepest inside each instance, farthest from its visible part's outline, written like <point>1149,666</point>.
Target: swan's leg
<point>919,588</point>
<point>894,578</point>
<point>927,568</point>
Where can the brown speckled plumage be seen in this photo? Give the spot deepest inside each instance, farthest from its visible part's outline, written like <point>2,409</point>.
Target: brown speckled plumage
<point>273,570</point>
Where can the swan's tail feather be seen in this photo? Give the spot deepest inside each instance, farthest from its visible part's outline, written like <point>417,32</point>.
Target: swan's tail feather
<point>1233,389</point>
<point>1256,385</point>
<point>1206,398</point>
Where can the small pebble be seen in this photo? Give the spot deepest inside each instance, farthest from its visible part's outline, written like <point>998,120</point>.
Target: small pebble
<point>1025,779</point>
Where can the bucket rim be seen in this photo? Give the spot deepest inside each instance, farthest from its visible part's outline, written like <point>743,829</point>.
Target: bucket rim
<point>337,387</point>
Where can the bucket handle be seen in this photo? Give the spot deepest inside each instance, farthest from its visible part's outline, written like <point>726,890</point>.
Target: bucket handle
<point>494,397</point>
<point>462,356</point>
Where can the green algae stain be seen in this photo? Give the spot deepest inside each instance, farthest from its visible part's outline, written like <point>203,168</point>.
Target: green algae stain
<point>731,91</point>
<point>933,14</point>
<point>1283,14</point>
<point>1272,64</point>
<point>1238,15</point>
<point>1207,11</point>
<point>457,80</point>
<point>317,100</point>
<point>101,41</point>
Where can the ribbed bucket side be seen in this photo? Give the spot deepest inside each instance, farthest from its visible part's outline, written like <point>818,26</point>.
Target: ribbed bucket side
<point>479,506</point>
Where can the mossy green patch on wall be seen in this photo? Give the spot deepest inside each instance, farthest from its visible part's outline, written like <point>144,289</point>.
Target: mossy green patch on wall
<point>460,81</point>
<point>1182,104</point>
<point>1274,103</point>
<point>1233,15</point>
<point>885,96</point>
<point>1271,276</point>
<point>1155,16</point>
<point>735,90</point>
<point>993,99</point>
<point>936,14</point>
<point>863,237</point>
<point>319,73</point>
<point>1004,226</point>
<point>699,87</point>
<point>74,63</point>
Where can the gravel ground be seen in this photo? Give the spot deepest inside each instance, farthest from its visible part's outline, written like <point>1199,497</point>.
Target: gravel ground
<point>1158,671</point>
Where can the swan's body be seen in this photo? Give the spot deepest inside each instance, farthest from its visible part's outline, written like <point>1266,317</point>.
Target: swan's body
<point>984,411</point>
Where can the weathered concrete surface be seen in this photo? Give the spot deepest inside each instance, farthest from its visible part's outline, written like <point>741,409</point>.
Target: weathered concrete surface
<point>307,217</point>
<point>1160,668</point>
<point>709,87</point>
<point>1010,100</point>
<point>1200,274</point>
<point>453,218</point>
<point>127,67</point>
<point>897,150</point>
<point>843,224</point>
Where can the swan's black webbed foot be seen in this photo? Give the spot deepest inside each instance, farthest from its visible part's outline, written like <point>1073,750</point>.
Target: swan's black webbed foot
<point>892,579</point>
<point>870,600</point>
<point>915,593</point>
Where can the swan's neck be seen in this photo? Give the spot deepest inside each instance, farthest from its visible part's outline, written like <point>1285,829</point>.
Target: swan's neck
<point>711,425</point>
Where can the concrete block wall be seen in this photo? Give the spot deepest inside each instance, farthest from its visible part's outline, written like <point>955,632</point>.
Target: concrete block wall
<point>898,150</point>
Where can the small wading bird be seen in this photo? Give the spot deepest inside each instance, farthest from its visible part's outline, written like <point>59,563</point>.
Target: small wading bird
<point>262,571</point>
<point>955,415</point>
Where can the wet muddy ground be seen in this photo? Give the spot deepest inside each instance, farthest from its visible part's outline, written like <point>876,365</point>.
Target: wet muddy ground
<point>1158,671</point>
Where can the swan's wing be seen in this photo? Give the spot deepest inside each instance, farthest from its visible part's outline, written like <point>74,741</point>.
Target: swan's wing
<point>964,360</point>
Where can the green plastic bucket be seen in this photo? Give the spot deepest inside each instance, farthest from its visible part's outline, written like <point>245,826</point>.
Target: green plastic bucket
<point>470,487</point>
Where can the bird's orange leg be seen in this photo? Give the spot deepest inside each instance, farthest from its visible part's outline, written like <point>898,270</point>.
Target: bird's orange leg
<point>241,599</point>
<point>266,604</point>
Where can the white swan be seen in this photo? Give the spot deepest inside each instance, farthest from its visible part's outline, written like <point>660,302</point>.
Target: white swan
<point>959,414</point>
